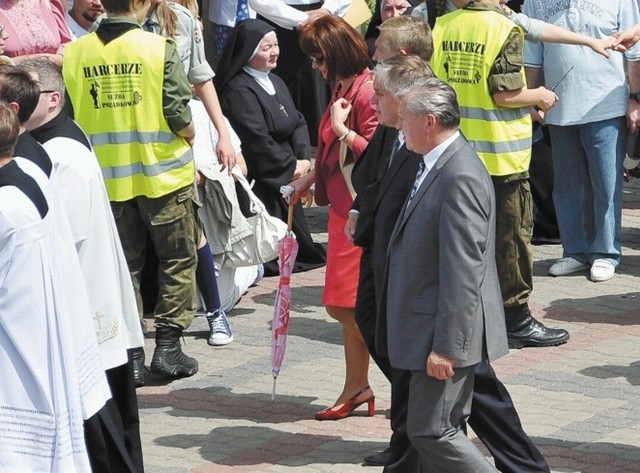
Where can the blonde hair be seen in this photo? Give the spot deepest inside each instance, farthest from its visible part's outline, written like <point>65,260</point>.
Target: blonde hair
<point>167,18</point>
<point>190,5</point>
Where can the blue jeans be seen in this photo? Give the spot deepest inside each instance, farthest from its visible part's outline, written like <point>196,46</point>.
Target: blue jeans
<point>587,192</point>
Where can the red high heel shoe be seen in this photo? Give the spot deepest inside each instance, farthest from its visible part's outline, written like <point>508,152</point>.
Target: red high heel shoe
<point>345,410</point>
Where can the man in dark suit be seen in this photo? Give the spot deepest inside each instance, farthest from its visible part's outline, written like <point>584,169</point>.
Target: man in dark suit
<point>444,306</point>
<point>382,188</point>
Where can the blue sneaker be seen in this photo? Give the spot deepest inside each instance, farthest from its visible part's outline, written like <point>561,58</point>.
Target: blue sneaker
<point>220,330</point>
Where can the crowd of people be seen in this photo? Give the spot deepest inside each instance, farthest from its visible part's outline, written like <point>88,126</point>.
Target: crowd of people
<point>118,150</point>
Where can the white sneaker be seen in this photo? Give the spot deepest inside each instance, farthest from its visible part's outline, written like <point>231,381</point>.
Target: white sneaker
<point>565,266</point>
<point>602,270</point>
<point>220,330</point>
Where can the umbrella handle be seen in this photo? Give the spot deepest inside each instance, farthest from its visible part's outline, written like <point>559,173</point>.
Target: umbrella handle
<point>273,392</point>
<point>290,218</point>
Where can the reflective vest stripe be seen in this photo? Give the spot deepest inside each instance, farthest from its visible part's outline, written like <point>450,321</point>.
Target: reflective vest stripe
<point>149,170</point>
<point>127,137</point>
<point>502,147</point>
<point>496,115</point>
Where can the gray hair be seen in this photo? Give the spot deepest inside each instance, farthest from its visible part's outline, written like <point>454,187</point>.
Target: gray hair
<point>434,97</point>
<point>49,74</point>
<point>401,72</point>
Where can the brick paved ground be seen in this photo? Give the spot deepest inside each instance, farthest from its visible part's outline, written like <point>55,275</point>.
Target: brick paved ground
<point>580,402</point>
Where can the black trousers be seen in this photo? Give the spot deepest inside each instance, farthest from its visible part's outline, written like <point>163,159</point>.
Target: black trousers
<point>112,435</point>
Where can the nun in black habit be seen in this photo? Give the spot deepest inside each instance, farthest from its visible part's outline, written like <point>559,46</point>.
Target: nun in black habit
<point>274,134</point>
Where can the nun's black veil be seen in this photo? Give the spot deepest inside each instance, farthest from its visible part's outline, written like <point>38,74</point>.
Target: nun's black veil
<point>242,42</point>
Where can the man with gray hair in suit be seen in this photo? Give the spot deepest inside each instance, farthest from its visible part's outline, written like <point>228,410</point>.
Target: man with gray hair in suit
<point>443,302</point>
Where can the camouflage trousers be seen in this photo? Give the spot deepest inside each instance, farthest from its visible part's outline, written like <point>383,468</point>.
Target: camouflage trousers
<point>169,224</point>
<point>514,228</point>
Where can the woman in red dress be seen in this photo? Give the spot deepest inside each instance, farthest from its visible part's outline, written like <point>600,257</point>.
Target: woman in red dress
<point>339,53</point>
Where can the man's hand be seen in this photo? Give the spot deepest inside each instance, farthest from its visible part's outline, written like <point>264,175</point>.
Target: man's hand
<point>300,188</point>
<point>546,98</point>
<point>439,367</point>
<point>536,115</point>
<point>350,226</point>
<point>633,115</point>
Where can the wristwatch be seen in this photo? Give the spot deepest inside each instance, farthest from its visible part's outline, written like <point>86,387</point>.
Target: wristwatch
<point>635,96</point>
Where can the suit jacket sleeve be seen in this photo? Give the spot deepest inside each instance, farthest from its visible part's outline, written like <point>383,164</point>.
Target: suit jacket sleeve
<point>465,220</point>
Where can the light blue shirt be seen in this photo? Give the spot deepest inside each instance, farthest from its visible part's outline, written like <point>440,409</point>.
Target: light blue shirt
<point>596,89</point>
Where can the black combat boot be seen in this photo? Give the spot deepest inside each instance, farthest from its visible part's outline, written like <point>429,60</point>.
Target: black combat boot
<point>137,355</point>
<point>168,358</point>
<point>525,331</point>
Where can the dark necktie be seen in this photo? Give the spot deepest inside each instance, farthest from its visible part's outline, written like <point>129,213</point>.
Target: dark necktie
<point>394,150</point>
<point>416,183</point>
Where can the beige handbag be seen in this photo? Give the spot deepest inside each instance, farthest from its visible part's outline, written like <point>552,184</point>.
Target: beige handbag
<point>347,167</point>
<point>357,13</point>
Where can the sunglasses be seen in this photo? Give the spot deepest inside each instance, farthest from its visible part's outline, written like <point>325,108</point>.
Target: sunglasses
<point>317,59</point>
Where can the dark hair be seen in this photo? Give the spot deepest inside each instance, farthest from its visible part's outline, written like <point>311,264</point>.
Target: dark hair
<point>17,85</point>
<point>9,130</point>
<point>119,6</point>
<point>343,49</point>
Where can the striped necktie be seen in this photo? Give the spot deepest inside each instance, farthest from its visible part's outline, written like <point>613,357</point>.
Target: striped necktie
<point>416,184</point>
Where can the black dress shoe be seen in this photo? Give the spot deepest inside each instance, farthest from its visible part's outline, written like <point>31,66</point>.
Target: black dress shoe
<point>378,459</point>
<point>138,366</point>
<point>535,334</point>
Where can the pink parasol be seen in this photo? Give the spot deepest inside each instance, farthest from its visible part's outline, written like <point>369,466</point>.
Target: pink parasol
<point>287,251</point>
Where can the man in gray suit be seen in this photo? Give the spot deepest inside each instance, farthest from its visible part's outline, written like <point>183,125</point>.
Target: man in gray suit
<point>444,307</point>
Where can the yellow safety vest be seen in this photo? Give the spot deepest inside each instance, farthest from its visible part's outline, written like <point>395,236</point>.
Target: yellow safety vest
<point>466,44</point>
<point>116,92</point>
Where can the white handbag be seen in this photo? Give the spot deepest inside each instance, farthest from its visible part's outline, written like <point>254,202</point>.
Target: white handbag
<point>261,245</point>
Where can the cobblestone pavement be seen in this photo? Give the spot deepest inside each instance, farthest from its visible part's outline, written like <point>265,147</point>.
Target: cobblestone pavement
<point>579,402</point>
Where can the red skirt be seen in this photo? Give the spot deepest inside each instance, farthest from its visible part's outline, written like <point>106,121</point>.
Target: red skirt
<point>343,266</point>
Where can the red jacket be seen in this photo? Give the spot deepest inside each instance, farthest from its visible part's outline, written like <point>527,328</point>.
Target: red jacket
<point>331,187</point>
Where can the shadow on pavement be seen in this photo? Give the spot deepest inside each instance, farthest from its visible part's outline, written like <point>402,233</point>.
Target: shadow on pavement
<point>629,372</point>
<point>613,309</point>
<point>265,445</point>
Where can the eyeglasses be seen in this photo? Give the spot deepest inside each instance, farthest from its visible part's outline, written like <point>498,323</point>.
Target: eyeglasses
<point>317,59</point>
<point>47,91</point>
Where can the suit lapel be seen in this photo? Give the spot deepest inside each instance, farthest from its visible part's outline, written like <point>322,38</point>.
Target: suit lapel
<point>389,175</point>
<point>429,179</point>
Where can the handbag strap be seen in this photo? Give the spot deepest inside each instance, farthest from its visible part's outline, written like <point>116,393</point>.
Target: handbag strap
<point>344,149</point>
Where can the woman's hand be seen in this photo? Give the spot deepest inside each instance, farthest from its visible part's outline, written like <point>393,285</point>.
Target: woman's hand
<point>303,166</point>
<point>339,114</point>
<point>226,154</point>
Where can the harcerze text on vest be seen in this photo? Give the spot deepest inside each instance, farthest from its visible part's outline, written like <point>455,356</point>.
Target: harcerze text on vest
<point>112,70</point>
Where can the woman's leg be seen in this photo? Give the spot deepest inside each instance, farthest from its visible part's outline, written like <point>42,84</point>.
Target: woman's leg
<point>355,353</point>
<point>220,330</point>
